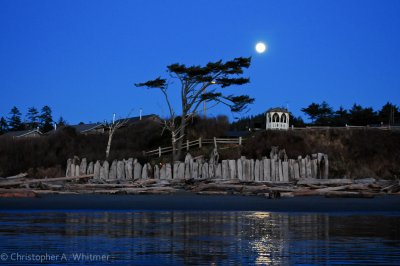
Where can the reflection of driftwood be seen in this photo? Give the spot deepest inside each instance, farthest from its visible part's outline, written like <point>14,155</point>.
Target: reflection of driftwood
<point>46,180</point>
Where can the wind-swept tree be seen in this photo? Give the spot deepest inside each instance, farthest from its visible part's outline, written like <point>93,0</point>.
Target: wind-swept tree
<point>325,114</point>
<point>14,121</point>
<point>199,84</point>
<point>46,119</point>
<point>318,113</point>
<point>32,118</point>
<point>312,111</point>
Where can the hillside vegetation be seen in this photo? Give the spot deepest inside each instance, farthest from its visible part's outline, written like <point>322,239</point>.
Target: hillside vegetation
<point>47,155</point>
<point>352,153</point>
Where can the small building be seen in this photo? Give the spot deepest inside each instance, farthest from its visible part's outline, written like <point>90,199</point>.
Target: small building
<point>93,128</point>
<point>30,133</point>
<point>277,118</point>
<point>143,118</point>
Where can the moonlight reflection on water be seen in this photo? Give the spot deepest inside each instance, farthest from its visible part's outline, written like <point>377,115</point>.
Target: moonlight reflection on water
<point>179,237</point>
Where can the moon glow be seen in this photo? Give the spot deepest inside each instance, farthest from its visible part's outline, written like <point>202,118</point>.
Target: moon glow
<point>261,47</point>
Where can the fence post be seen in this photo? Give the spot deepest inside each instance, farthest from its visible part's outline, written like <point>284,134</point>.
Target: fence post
<point>187,145</point>
<point>159,151</point>
<point>200,142</point>
<point>215,142</point>
<point>240,140</point>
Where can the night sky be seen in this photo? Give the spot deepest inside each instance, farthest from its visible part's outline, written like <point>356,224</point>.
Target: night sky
<point>83,57</point>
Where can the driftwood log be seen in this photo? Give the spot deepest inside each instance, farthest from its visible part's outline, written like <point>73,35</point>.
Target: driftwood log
<point>46,180</point>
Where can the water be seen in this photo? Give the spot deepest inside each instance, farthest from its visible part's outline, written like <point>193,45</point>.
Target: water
<point>198,238</point>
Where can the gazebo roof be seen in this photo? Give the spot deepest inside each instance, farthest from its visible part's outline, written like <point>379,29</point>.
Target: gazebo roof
<point>278,109</point>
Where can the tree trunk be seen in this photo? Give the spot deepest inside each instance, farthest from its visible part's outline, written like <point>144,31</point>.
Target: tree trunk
<point>181,137</point>
<point>110,136</point>
<point>174,151</point>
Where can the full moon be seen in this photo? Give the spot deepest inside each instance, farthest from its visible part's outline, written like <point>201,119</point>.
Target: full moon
<point>261,47</point>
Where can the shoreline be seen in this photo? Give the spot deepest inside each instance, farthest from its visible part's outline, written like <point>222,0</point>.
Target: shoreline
<point>193,202</point>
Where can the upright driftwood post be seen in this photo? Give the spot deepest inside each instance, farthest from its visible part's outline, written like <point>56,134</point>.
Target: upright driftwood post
<point>181,170</point>
<point>326,172</point>
<point>106,168</point>
<point>120,170</point>
<point>68,169</point>
<point>129,169</point>
<point>168,171</point>
<point>83,167</point>
<point>156,172</point>
<point>96,173</point>
<point>285,169</point>
<point>267,169</point>
<point>232,169</point>
<point>113,170</point>
<point>239,167</point>
<point>89,170</point>
<point>257,170</point>
<point>137,170</point>
<point>163,173</point>
<point>225,169</point>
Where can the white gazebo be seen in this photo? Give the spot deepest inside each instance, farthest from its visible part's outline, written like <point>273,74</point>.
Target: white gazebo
<point>277,118</point>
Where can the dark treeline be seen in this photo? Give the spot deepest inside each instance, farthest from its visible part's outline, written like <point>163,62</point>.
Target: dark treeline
<point>33,119</point>
<point>324,115</point>
<point>320,115</point>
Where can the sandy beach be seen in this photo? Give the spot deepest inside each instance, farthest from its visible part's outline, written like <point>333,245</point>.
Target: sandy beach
<point>190,201</point>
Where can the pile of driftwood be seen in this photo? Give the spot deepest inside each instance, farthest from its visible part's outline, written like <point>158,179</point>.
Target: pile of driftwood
<point>21,186</point>
<point>331,188</point>
<point>275,168</point>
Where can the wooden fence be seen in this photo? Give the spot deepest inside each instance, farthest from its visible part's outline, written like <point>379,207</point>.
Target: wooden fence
<point>196,143</point>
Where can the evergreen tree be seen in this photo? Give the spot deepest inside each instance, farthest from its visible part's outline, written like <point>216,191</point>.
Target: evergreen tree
<point>3,125</point>
<point>61,122</point>
<point>296,121</point>
<point>360,116</point>
<point>46,119</point>
<point>313,110</point>
<point>14,121</point>
<point>324,117</point>
<point>340,117</point>
<point>389,114</point>
<point>320,114</point>
<point>32,118</point>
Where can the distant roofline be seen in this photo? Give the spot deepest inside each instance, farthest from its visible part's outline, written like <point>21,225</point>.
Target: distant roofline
<point>23,133</point>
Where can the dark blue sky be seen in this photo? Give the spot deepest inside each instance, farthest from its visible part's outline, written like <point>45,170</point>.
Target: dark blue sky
<point>83,57</point>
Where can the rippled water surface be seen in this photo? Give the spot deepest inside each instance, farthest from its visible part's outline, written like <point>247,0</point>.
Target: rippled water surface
<point>198,238</point>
